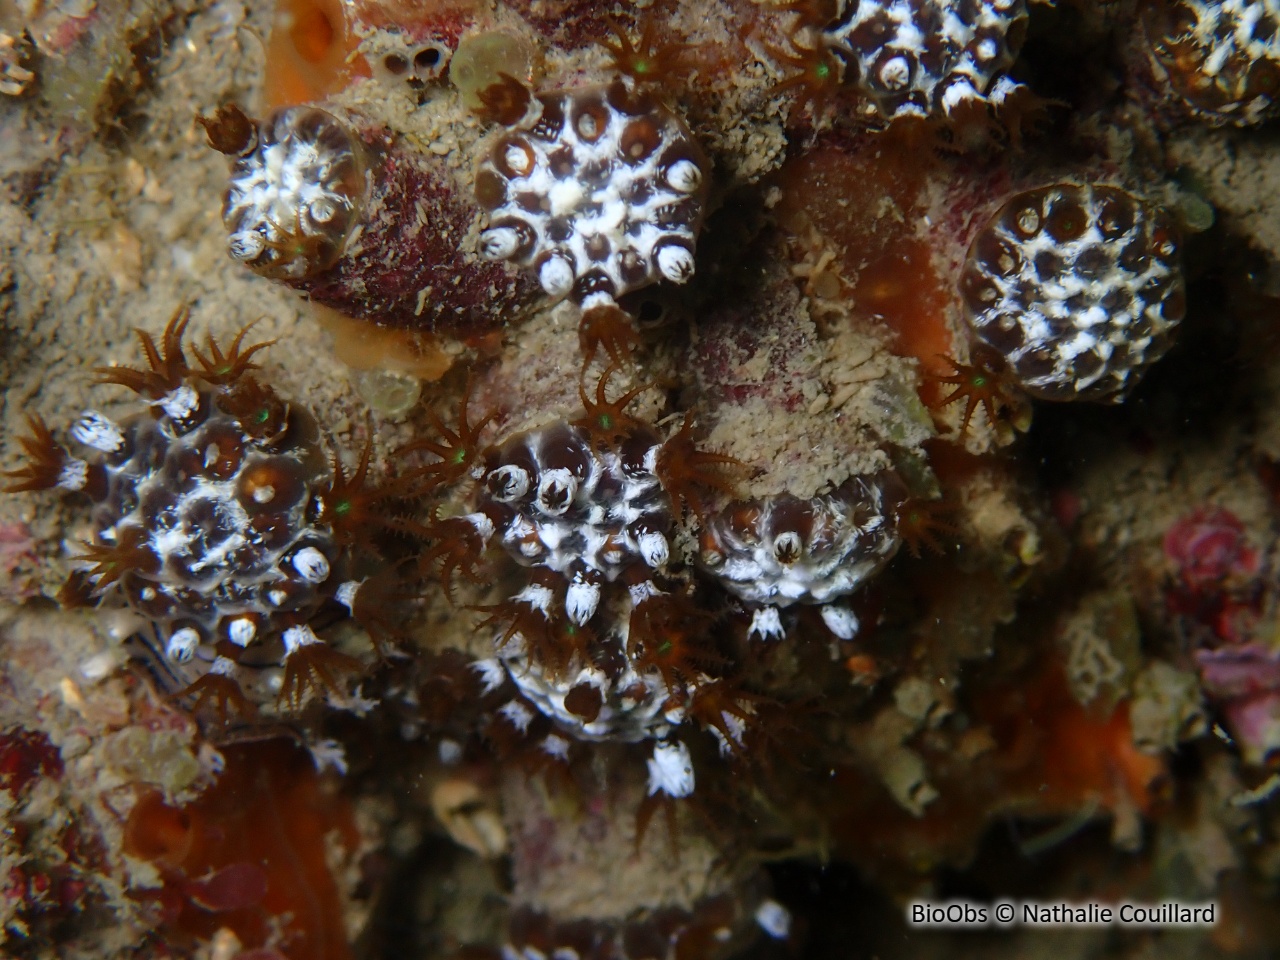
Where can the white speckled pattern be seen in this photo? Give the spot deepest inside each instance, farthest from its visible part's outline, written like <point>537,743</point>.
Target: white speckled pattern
<point>1077,287</point>
<point>781,550</point>
<point>1225,64</point>
<point>292,201</point>
<point>926,57</point>
<point>559,504</point>
<point>602,194</point>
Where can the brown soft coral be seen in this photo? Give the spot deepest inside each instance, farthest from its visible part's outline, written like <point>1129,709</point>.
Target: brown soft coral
<point>978,384</point>
<point>607,421</point>
<point>46,459</point>
<point>458,449</point>
<point>684,470</point>
<point>648,61</point>
<point>168,364</point>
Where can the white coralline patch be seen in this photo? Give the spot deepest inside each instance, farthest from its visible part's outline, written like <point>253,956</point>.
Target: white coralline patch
<point>671,770</point>
<point>293,200</point>
<point>781,550</point>
<point>923,58</point>
<point>601,191</point>
<point>1077,288</point>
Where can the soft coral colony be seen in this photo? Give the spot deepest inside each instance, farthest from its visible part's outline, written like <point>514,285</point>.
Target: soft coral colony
<point>740,304</point>
<point>220,519</point>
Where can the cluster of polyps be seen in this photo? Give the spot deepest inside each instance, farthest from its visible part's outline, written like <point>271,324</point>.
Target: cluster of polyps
<point>600,642</point>
<point>1077,288</point>
<point>927,58</point>
<point>214,519</point>
<point>1221,57</point>
<point>600,190</point>
<point>780,551</point>
<point>588,514</point>
<point>297,188</point>
<point>583,516</point>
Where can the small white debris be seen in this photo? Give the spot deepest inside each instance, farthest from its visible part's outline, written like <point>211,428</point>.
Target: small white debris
<point>841,621</point>
<point>241,631</point>
<point>311,564</point>
<point>671,770</point>
<point>774,919</point>
<point>518,715</point>
<point>99,666</point>
<point>1264,791</point>
<point>179,403</point>
<point>449,751</point>
<point>74,474</point>
<point>328,755</point>
<point>95,430</point>
<point>295,638</point>
<point>346,594</point>
<point>556,746</point>
<point>675,263</point>
<point>492,674</point>
<point>766,623</point>
<point>182,645</point>
<point>581,600</point>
